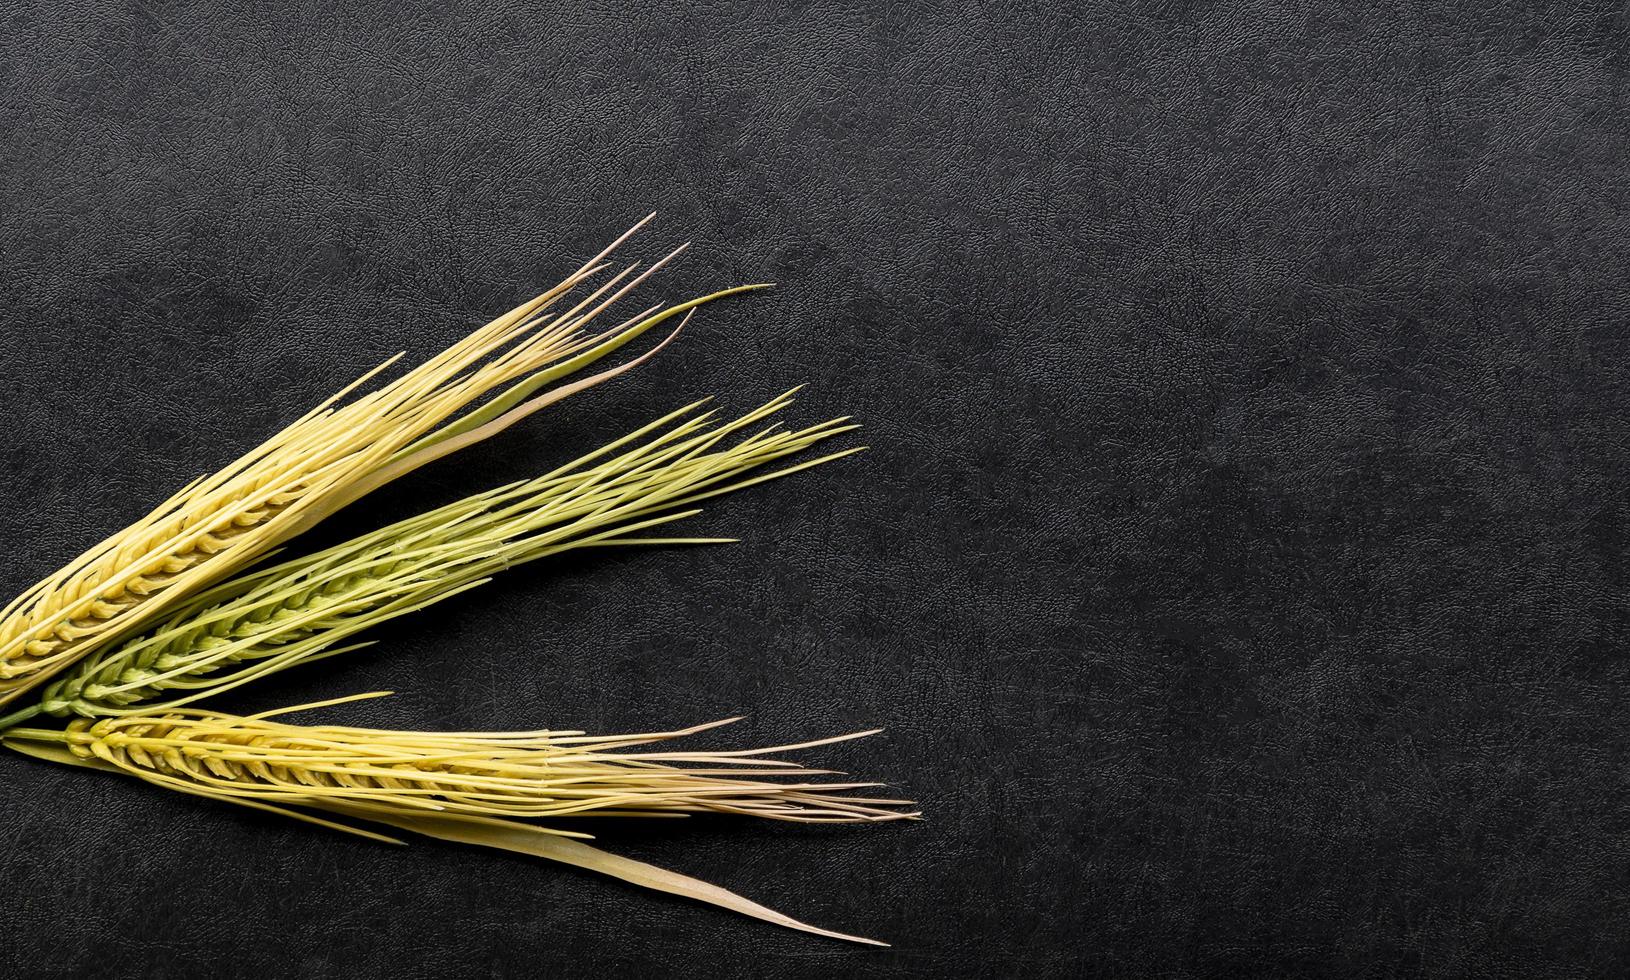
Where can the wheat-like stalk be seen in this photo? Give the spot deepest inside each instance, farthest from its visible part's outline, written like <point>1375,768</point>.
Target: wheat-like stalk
<point>346,447</point>
<point>472,787</point>
<point>303,610</point>
<point>528,775</point>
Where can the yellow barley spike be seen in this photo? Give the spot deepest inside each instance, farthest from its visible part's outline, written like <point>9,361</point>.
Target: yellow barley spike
<point>341,450</point>
<point>475,788</point>
<point>479,788</point>
<point>526,775</point>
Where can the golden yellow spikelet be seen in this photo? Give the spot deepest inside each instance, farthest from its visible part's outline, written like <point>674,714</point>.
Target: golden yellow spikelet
<point>343,449</point>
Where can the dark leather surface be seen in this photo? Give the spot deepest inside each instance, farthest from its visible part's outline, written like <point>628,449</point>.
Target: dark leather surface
<point>1239,569</point>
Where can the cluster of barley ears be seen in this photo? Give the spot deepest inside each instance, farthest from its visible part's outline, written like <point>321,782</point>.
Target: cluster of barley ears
<point>346,447</point>
<point>148,621</point>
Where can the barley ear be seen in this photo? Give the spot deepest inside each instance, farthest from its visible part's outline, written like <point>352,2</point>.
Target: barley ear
<point>303,610</point>
<point>347,446</point>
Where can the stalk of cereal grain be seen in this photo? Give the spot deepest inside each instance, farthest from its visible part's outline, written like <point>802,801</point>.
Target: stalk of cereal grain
<point>303,610</point>
<point>346,447</point>
<point>472,787</point>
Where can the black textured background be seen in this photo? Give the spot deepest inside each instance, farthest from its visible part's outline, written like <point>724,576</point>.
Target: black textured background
<point>1239,569</point>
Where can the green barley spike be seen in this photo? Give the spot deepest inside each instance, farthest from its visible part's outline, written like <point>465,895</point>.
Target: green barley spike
<point>305,609</point>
